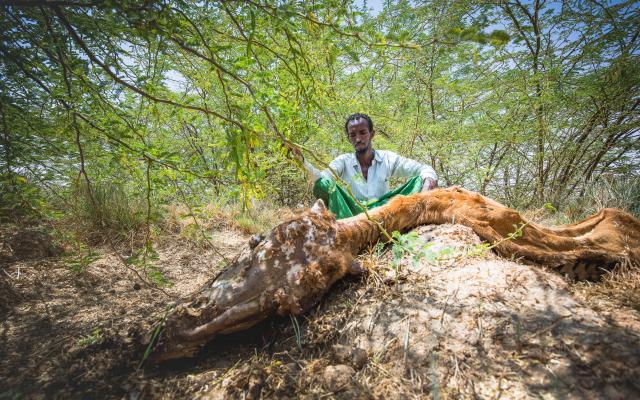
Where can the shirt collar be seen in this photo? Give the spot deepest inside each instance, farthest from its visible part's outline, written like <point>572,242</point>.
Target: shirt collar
<point>377,157</point>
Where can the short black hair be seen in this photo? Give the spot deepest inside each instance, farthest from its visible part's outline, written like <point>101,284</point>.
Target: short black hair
<point>355,117</point>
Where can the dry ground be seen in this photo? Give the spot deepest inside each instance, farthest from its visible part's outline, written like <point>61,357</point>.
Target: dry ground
<point>456,327</point>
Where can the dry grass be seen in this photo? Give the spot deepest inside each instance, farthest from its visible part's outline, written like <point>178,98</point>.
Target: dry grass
<point>108,209</point>
<point>282,362</point>
<point>191,223</point>
<point>618,289</point>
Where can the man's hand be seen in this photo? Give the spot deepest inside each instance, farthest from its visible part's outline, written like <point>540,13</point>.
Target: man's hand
<point>428,184</point>
<point>297,152</point>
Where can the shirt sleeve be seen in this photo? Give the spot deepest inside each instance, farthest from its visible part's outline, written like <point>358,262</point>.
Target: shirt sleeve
<point>405,167</point>
<point>336,164</point>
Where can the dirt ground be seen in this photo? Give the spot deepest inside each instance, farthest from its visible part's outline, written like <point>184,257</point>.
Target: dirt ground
<point>457,326</point>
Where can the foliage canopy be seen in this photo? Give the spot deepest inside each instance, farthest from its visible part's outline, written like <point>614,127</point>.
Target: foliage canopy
<point>529,102</point>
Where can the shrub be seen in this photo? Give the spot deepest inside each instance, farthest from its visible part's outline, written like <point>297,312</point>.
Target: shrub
<point>615,191</point>
<point>110,209</point>
<point>286,185</point>
<point>20,199</point>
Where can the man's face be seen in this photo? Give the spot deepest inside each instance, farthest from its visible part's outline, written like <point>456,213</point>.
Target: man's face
<point>359,135</point>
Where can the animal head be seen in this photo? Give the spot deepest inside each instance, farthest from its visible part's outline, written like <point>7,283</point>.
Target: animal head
<point>285,271</point>
<point>304,257</point>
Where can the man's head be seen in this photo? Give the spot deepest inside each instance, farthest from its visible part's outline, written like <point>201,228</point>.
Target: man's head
<point>359,128</point>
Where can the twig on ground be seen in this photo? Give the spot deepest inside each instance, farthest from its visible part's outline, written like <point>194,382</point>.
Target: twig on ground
<point>406,343</point>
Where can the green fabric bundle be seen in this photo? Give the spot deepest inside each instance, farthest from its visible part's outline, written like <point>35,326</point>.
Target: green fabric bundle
<point>340,202</point>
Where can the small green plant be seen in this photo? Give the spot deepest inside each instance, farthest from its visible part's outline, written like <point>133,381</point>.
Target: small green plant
<point>79,263</point>
<point>477,250</point>
<point>410,243</point>
<point>156,276</point>
<point>549,207</point>
<point>144,260</point>
<point>485,247</point>
<point>157,330</point>
<point>378,249</point>
<point>296,331</point>
<point>94,338</point>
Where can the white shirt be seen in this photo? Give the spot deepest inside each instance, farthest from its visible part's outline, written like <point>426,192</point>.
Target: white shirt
<point>385,164</point>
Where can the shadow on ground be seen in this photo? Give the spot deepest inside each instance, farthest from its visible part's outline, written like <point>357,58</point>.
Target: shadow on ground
<point>463,327</point>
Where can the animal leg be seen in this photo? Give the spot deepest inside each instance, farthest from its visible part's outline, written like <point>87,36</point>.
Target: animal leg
<point>234,316</point>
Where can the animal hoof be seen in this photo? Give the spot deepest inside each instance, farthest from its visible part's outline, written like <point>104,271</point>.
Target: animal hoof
<point>355,268</point>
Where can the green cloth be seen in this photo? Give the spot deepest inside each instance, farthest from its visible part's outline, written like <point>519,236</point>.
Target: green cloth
<point>340,202</point>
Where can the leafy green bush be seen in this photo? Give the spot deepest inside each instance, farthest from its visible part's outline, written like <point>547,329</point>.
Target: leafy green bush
<point>19,199</point>
<point>287,185</point>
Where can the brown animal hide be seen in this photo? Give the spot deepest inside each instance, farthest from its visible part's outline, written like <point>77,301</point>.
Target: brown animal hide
<point>290,269</point>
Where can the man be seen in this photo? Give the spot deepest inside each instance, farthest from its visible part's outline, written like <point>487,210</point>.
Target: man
<point>367,172</point>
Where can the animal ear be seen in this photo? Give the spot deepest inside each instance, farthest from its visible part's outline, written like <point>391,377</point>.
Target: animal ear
<point>255,240</point>
<point>319,207</point>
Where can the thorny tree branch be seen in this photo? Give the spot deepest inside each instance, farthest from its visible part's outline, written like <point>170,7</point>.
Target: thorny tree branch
<point>116,78</point>
<point>82,174</point>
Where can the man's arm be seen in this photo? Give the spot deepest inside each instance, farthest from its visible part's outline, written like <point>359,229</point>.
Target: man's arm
<point>405,167</point>
<point>315,174</point>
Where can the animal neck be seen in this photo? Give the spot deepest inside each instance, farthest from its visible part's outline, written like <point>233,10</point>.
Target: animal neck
<point>399,215</point>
